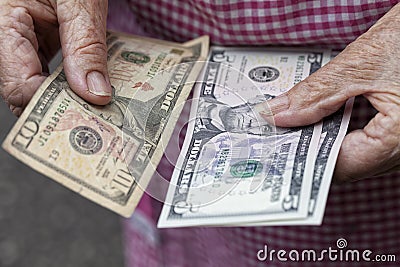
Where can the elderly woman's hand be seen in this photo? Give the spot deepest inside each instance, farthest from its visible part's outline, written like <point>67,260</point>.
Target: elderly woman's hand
<point>370,66</point>
<point>31,32</point>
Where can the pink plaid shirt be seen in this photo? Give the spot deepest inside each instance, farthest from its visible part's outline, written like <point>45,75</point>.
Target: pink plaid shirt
<point>365,213</point>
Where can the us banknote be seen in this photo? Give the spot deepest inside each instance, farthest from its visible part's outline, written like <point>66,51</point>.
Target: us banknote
<point>333,131</point>
<point>236,167</point>
<point>109,153</point>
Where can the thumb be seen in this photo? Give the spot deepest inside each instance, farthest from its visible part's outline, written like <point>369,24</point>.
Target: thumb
<point>83,41</point>
<point>318,96</point>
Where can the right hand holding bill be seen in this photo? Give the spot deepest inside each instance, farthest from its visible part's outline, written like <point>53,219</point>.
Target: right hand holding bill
<point>31,33</point>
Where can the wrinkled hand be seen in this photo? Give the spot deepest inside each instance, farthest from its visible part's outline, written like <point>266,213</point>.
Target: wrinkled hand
<point>370,66</point>
<point>31,32</point>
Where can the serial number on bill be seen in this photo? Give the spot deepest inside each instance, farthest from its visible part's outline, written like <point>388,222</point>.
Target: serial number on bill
<point>53,121</point>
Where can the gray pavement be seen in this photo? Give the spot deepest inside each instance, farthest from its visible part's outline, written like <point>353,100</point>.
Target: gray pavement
<point>44,224</point>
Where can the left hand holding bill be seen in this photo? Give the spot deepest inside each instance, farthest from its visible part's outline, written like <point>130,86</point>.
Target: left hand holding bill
<point>370,66</point>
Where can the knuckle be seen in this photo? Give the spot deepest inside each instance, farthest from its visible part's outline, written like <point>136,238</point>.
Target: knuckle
<point>310,90</point>
<point>85,47</point>
<point>15,15</point>
<point>90,55</point>
<point>91,48</point>
<point>383,129</point>
<point>12,95</point>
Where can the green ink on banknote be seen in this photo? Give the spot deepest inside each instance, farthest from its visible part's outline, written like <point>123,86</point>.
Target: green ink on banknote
<point>135,57</point>
<point>246,168</point>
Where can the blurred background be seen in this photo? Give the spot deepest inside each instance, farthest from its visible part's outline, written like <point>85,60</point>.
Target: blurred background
<point>44,224</point>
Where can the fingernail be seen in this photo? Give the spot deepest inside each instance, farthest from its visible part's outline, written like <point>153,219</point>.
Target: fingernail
<point>263,111</point>
<point>97,84</point>
<point>278,104</point>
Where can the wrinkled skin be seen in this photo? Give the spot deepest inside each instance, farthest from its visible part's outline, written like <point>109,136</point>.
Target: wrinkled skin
<point>31,32</point>
<point>370,66</point>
